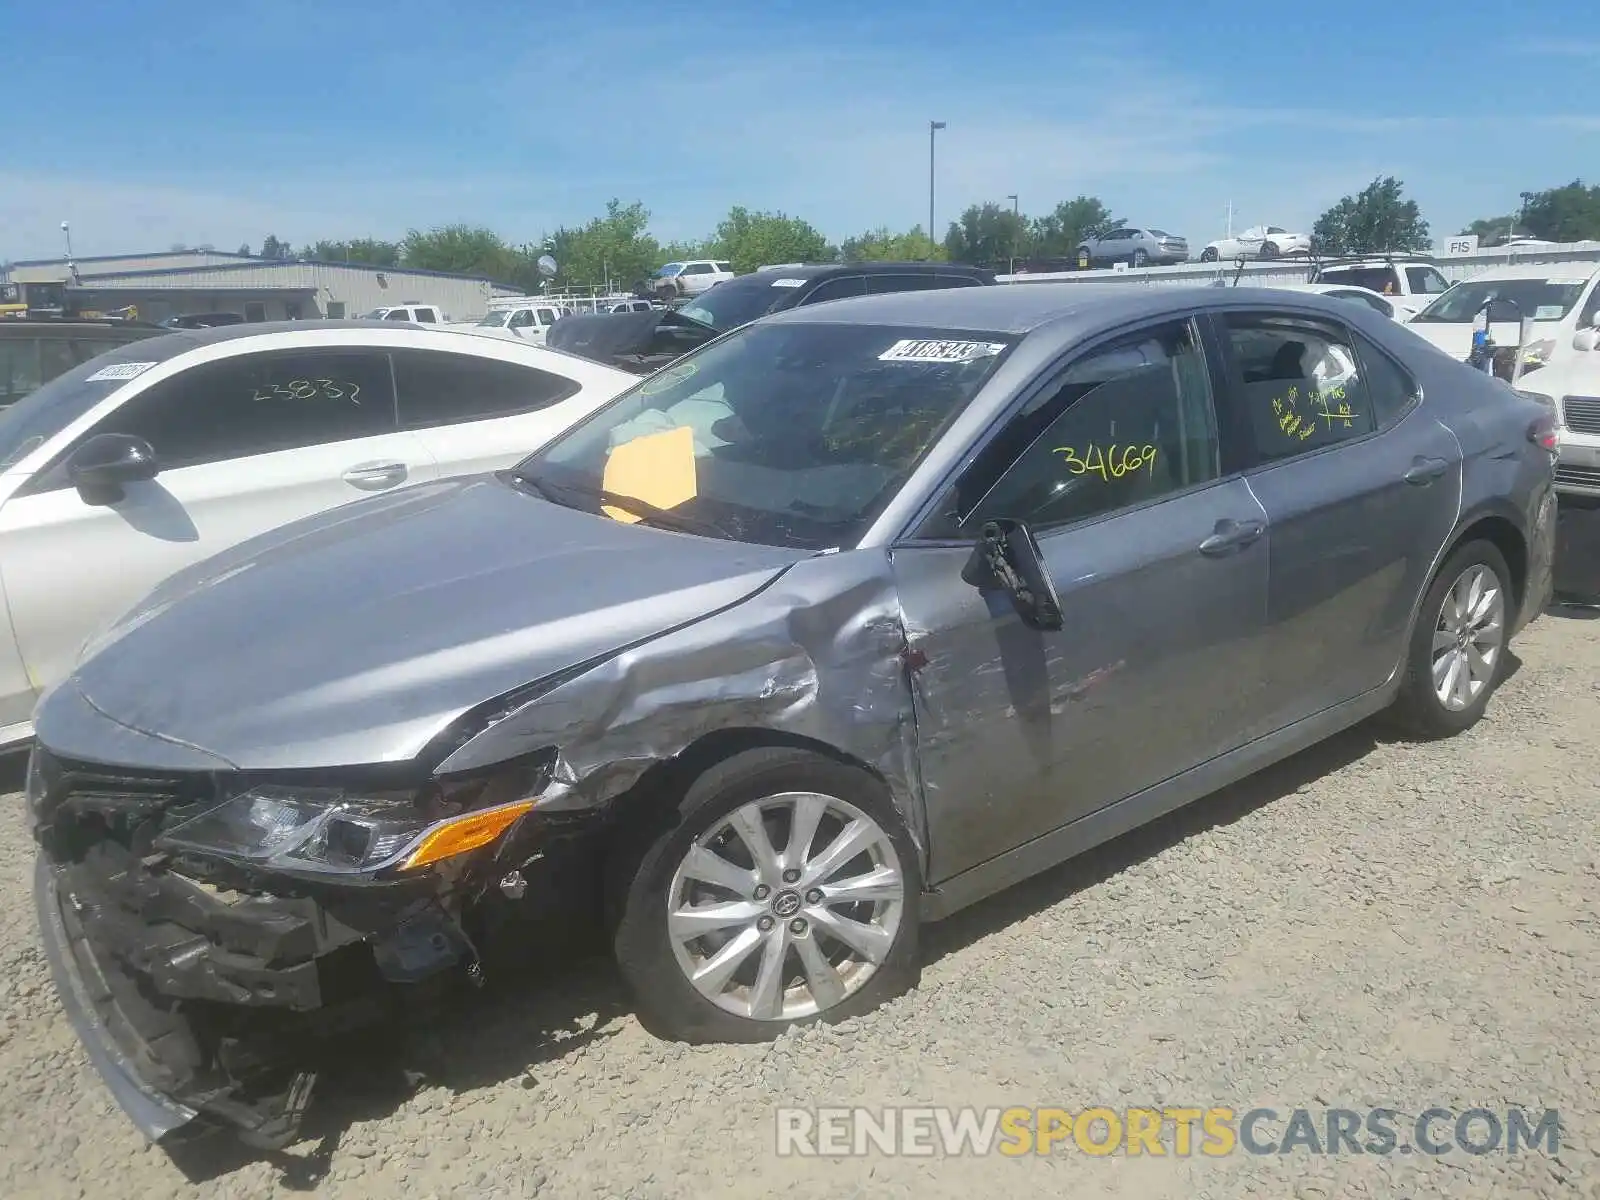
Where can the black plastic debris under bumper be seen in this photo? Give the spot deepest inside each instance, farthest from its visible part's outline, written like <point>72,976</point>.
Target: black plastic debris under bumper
<point>85,994</point>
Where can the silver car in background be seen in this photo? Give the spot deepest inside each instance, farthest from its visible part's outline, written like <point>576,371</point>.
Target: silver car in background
<point>1138,247</point>
<point>842,622</point>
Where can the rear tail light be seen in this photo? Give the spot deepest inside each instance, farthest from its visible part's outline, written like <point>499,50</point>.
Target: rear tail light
<point>1545,432</point>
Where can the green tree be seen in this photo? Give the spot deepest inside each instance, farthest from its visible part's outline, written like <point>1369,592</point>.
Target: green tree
<point>987,235</point>
<point>749,240</point>
<point>1059,233</point>
<point>616,247</point>
<point>1378,219</point>
<point>245,249</point>
<point>1563,214</point>
<point>882,245</point>
<point>358,250</point>
<point>460,250</point>
<point>271,247</point>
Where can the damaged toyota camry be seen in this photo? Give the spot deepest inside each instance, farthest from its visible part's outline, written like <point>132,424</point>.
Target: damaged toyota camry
<point>844,621</point>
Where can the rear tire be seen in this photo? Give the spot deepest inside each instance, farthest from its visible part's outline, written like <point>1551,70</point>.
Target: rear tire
<point>1209,254</point>
<point>1140,258</point>
<point>787,933</point>
<point>1269,250</point>
<point>1458,645</point>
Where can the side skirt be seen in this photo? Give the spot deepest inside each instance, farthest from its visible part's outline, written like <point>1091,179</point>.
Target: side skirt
<point>1141,808</point>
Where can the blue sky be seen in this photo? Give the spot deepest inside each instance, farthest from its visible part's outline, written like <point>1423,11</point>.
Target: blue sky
<point>150,124</point>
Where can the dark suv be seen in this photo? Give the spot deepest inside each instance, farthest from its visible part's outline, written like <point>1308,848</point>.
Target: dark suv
<point>736,302</point>
<point>34,350</point>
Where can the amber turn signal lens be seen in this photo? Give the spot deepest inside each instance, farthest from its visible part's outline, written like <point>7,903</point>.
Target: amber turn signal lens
<point>465,833</point>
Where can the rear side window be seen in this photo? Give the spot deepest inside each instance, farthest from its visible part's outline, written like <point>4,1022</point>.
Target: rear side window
<point>1299,382</point>
<point>425,316</point>
<point>444,389</point>
<point>259,403</point>
<point>1374,279</point>
<point>1391,390</point>
<point>878,284</point>
<point>547,316</point>
<point>838,289</point>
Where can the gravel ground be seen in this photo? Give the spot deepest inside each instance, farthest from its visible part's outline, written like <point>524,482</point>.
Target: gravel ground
<point>1370,924</point>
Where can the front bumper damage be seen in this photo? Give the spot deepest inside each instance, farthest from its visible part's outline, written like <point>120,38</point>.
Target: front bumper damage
<point>208,1003</point>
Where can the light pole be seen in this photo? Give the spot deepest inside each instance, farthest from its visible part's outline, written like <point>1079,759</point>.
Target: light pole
<point>933,128</point>
<point>66,231</point>
<point>1016,224</point>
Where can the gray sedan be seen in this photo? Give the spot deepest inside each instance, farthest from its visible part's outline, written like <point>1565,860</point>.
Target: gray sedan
<point>848,619</point>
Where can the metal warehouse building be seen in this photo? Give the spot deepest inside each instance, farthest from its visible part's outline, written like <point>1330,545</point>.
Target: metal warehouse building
<point>259,289</point>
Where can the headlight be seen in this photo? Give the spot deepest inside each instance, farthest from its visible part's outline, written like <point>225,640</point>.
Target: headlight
<point>324,830</point>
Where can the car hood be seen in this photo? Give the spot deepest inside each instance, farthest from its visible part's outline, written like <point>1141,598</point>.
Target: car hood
<point>358,635</point>
<point>1455,337</point>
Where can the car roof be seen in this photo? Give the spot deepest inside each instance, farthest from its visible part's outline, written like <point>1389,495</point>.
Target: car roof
<point>1004,308</point>
<point>1573,272</point>
<point>865,267</point>
<point>1021,308</point>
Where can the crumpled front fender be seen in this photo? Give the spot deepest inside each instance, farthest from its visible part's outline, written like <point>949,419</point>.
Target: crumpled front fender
<point>817,654</point>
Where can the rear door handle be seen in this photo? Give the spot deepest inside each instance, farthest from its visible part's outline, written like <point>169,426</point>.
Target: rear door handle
<point>375,476</point>
<point>1424,471</point>
<point>1231,535</point>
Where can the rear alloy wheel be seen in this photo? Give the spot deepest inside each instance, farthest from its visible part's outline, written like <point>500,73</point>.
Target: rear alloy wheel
<point>1269,249</point>
<point>1140,258</point>
<point>786,893</point>
<point>1459,643</point>
<point>1209,254</point>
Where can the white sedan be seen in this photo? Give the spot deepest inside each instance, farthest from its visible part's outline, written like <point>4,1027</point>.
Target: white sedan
<point>165,451</point>
<point>1259,241</point>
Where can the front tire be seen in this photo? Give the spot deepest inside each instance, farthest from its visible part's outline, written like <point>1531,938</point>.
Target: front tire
<point>1458,645</point>
<point>784,892</point>
<point>1269,249</point>
<point>1209,254</point>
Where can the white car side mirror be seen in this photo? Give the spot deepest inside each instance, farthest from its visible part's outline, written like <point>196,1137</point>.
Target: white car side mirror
<point>1586,339</point>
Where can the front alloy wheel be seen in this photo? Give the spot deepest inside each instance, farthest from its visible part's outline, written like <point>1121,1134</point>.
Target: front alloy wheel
<point>777,934</point>
<point>783,889</point>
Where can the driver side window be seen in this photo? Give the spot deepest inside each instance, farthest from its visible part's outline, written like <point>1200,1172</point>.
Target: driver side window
<point>1131,422</point>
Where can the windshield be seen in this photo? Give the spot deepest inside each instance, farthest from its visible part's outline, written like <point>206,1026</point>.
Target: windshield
<point>1540,299</point>
<point>785,434</point>
<point>38,417</point>
<point>495,320</point>
<point>375,315</point>
<point>1426,281</point>
<point>739,301</point>
<point>668,271</point>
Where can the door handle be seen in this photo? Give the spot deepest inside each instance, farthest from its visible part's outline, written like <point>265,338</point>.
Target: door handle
<point>1424,471</point>
<point>372,476</point>
<point>1231,535</point>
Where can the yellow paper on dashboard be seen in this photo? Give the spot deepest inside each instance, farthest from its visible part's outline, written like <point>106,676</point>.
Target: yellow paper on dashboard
<point>657,468</point>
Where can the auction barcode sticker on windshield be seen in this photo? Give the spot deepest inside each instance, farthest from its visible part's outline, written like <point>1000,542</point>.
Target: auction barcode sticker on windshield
<point>119,371</point>
<point>920,350</point>
<point>788,283</point>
